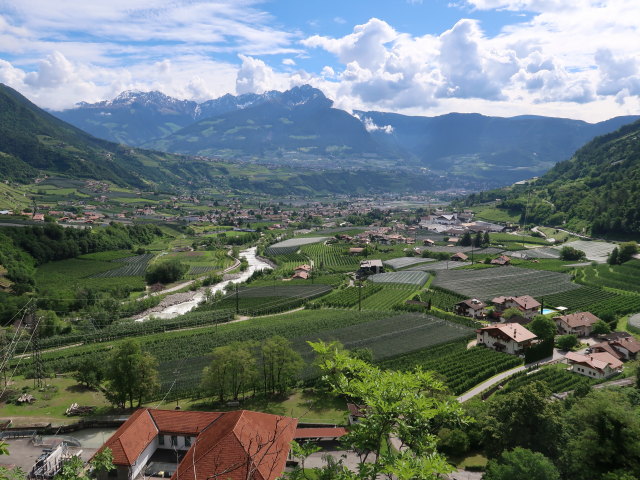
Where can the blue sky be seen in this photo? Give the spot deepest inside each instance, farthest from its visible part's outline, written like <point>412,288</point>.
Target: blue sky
<point>568,58</point>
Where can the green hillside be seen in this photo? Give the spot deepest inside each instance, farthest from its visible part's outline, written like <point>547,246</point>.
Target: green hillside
<point>596,191</point>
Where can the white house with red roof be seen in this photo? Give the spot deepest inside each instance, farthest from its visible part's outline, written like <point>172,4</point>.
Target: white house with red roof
<point>235,445</point>
<point>594,365</point>
<point>510,338</point>
<point>579,323</point>
<point>528,305</point>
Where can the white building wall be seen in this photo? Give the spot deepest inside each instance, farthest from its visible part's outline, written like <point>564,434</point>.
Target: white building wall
<point>144,457</point>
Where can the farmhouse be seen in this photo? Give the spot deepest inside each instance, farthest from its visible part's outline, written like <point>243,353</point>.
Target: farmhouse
<point>369,267</point>
<point>302,268</point>
<point>623,348</point>
<point>501,260</point>
<point>471,307</point>
<point>528,305</point>
<point>595,365</point>
<point>356,251</point>
<point>510,338</point>
<point>459,257</point>
<point>190,445</point>
<point>579,323</point>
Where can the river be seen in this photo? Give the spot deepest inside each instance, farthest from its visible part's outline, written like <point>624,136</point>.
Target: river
<point>188,305</point>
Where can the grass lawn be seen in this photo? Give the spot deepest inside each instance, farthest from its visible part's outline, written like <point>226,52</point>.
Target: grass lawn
<point>470,460</point>
<point>51,404</point>
<point>306,406</point>
<point>493,214</point>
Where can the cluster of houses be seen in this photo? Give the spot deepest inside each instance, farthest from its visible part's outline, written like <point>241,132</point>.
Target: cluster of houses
<point>456,224</point>
<point>602,360</point>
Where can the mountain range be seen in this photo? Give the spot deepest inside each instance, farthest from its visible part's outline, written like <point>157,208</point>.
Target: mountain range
<point>300,127</point>
<point>33,143</point>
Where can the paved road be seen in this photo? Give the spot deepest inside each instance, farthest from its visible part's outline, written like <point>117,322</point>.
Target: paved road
<point>489,383</point>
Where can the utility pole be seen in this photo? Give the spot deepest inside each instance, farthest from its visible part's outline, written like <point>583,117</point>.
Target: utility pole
<point>237,301</point>
<point>360,295</point>
<point>38,369</point>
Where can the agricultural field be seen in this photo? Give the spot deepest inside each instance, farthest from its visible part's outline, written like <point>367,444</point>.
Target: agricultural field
<point>416,279</point>
<point>490,213</point>
<point>403,262</point>
<point>458,248</point>
<point>460,368</point>
<point>132,267</point>
<point>542,252</point>
<point>596,251</point>
<point>62,278</point>
<point>388,297</point>
<point>331,258</point>
<point>490,283</point>
<point>292,245</point>
<point>202,261</point>
<point>435,266</point>
<point>556,377</point>
<point>580,298</point>
<point>621,277</point>
<point>349,297</point>
<point>442,299</point>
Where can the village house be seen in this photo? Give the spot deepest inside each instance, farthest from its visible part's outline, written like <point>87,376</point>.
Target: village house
<point>621,345</point>
<point>370,267</point>
<point>501,260</point>
<point>472,307</point>
<point>459,257</point>
<point>594,365</point>
<point>528,306</point>
<point>191,445</point>
<point>302,272</point>
<point>579,323</point>
<point>510,338</point>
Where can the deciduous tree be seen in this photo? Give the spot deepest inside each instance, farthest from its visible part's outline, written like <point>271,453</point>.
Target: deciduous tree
<point>521,463</point>
<point>132,374</point>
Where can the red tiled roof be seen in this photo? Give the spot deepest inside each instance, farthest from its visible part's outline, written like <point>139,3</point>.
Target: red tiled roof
<point>133,436</point>
<point>186,423</point>
<point>514,331</point>
<point>324,432</point>
<point>237,443</point>
<point>578,319</point>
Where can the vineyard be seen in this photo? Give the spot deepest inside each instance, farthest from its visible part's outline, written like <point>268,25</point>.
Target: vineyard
<point>543,252</point>
<point>389,296</point>
<point>617,306</point>
<point>416,279</point>
<point>460,368</point>
<point>442,299</point>
<point>403,262</point>
<point>490,283</point>
<point>201,269</point>
<point>349,297</point>
<point>133,267</point>
<point>331,258</point>
<point>580,298</point>
<point>558,379</point>
<point>622,277</point>
<point>291,245</point>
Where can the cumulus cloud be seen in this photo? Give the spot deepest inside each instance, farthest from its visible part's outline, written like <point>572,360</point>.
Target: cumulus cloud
<point>255,76</point>
<point>370,126</point>
<point>617,75</point>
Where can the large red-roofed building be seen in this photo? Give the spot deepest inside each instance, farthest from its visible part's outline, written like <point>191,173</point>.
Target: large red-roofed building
<point>238,445</point>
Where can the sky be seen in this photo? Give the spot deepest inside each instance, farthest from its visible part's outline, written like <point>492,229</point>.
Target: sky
<point>563,58</point>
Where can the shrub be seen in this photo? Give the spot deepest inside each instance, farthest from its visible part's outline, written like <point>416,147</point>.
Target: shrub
<point>570,253</point>
<point>166,272</point>
<point>567,342</point>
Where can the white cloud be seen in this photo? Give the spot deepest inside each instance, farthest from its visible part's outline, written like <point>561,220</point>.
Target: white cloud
<point>370,126</point>
<point>617,75</point>
<point>288,61</point>
<point>255,76</point>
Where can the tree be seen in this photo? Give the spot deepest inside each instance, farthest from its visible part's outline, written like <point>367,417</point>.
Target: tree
<point>232,370</point>
<point>90,371</point>
<point>600,328</point>
<point>281,365</point>
<point>511,312</point>
<point>132,374</point>
<point>521,463</point>
<point>543,327</point>
<point>486,240</point>
<point>73,468</point>
<point>465,240</point>
<point>567,342</point>
<point>627,251</point>
<point>613,257</point>
<point>477,240</point>
<point>603,436</point>
<point>166,272</point>
<point>406,406</point>
<point>524,418</point>
<point>570,253</point>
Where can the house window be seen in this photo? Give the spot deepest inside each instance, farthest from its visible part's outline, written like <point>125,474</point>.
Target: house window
<point>174,440</point>
<point>160,439</point>
<point>187,441</point>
